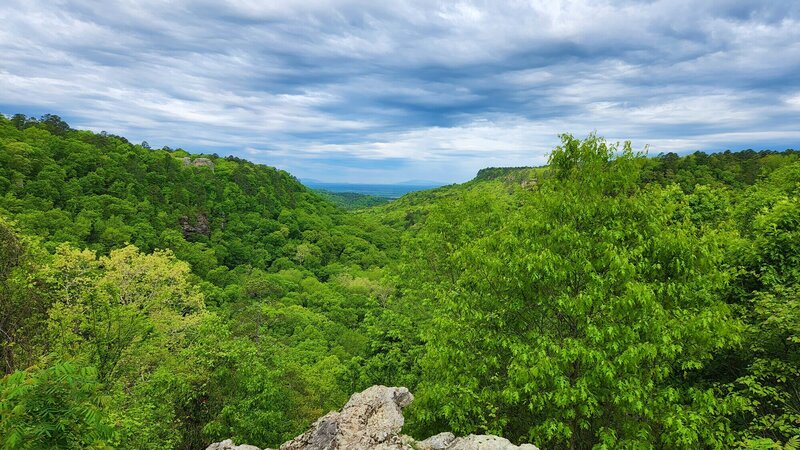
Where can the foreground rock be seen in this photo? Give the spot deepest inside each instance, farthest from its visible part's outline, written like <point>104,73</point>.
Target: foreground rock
<point>228,444</point>
<point>484,442</point>
<point>372,420</point>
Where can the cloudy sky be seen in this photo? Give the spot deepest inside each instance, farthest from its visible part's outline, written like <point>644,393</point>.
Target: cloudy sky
<point>374,91</point>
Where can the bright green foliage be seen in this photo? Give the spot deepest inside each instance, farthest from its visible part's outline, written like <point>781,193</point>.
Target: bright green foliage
<point>288,279</point>
<point>59,407</point>
<point>252,404</point>
<point>733,169</point>
<point>21,311</point>
<point>510,174</point>
<point>352,200</point>
<point>135,318</point>
<point>770,259</point>
<point>106,309</point>
<point>150,298</point>
<point>102,192</point>
<point>581,317</point>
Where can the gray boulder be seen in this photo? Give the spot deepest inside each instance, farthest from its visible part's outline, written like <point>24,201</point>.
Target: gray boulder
<point>228,444</point>
<point>486,442</point>
<point>440,441</point>
<point>372,420</point>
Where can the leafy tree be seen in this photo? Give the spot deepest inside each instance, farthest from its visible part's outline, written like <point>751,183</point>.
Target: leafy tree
<point>54,124</point>
<point>22,310</point>
<point>12,253</point>
<point>58,407</point>
<point>769,286</point>
<point>582,319</point>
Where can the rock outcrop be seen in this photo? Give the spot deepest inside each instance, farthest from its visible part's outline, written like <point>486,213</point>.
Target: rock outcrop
<point>198,162</point>
<point>200,225</point>
<point>372,420</point>
<point>228,444</point>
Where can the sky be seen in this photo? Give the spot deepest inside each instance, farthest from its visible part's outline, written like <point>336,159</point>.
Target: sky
<point>383,92</point>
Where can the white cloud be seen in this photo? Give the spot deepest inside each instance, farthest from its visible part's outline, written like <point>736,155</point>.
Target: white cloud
<point>440,88</point>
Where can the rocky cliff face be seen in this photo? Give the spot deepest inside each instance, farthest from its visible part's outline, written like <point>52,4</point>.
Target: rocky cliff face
<point>372,420</point>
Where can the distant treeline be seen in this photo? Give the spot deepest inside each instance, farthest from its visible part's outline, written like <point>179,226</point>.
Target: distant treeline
<point>352,200</point>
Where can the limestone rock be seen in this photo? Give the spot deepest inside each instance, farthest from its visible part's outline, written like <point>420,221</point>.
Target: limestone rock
<point>228,444</point>
<point>370,420</point>
<point>199,225</point>
<point>440,441</point>
<point>203,162</point>
<point>486,442</point>
<point>198,162</point>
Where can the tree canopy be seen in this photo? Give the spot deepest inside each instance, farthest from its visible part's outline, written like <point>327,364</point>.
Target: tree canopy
<point>155,298</point>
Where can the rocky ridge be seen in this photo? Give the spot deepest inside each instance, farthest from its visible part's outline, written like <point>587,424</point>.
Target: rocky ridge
<point>373,420</point>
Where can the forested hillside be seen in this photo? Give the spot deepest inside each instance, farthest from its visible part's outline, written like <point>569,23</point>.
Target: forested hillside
<point>172,299</point>
<point>153,298</point>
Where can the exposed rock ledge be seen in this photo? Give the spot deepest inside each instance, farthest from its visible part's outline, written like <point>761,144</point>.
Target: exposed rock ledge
<point>372,420</point>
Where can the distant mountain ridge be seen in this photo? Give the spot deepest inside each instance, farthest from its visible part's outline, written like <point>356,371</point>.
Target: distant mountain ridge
<point>377,190</point>
<point>311,181</point>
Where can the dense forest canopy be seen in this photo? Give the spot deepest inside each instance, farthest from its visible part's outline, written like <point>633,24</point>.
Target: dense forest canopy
<point>352,200</point>
<point>153,298</point>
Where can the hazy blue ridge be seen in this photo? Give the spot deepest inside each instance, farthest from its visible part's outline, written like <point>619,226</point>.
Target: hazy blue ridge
<point>377,190</point>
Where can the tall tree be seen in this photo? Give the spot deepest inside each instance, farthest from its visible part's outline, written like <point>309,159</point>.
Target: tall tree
<point>582,319</point>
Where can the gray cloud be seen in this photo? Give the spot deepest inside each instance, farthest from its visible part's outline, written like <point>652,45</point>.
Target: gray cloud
<point>384,91</point>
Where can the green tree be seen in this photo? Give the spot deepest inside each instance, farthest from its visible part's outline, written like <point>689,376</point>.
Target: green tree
<point>59,407</point>
<point>769,289</point>
<point>583,318</point>
<point>23,310</point>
